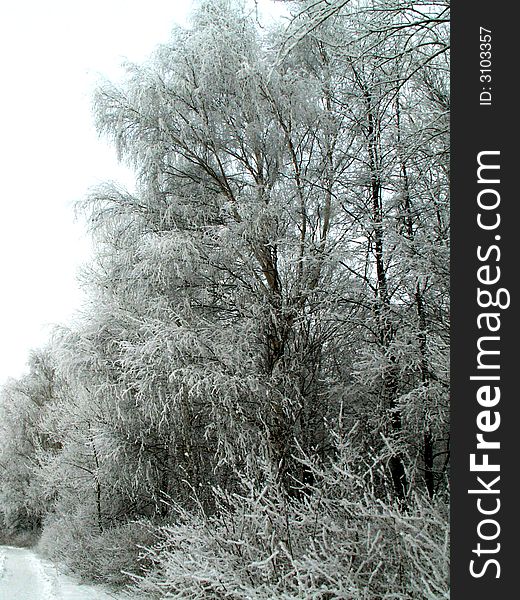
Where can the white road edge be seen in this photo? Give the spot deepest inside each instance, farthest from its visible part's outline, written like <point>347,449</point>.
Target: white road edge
<point>26,576</point>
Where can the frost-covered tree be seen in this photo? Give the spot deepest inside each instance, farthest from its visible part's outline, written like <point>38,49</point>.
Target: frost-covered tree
<point>23,404</point>
<point>237,160</point>
<point>264,354</point>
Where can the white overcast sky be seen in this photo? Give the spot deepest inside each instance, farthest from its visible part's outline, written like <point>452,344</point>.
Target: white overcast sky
<point>52,52</point>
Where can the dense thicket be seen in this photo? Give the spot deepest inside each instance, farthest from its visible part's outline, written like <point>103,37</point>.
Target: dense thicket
<point>257,390</point>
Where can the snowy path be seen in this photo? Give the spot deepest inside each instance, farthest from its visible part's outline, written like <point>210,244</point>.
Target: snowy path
<point>25,576</point>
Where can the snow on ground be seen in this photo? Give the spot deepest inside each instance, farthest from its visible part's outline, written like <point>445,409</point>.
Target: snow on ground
<point>25,576</point>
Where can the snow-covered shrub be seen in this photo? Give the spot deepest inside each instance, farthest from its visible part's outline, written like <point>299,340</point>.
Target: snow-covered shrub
<point>336,541</point>
<point>20,539</point>
<point>111,556</point>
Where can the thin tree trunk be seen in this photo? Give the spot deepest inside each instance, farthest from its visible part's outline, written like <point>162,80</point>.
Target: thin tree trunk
<point>386,328</point>
<point>428,441</point>
<point>97,482</point>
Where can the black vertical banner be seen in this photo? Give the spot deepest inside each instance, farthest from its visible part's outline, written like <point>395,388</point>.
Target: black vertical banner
<point>485,401</point>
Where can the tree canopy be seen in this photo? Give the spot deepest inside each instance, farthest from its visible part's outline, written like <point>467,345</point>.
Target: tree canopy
<point>261,374</point>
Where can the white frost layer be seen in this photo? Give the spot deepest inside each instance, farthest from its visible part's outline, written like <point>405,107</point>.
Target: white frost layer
<point>2,561</point>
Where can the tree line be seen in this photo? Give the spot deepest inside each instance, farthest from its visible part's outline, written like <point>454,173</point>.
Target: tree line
<point>254,400</point>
